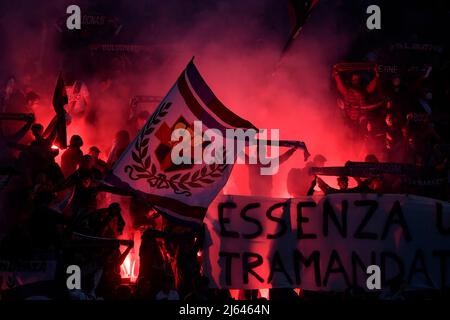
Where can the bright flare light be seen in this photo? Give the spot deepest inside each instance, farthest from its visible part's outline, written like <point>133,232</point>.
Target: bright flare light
<point>128,268</point>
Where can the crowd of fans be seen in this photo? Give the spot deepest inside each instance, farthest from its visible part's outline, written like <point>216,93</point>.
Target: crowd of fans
<point>400,122</point>
<point>400,126</point>
<point>64,211</point>
<point>389,120</point>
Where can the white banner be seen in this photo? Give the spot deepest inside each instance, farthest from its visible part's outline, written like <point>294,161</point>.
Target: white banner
<point>326,243</point>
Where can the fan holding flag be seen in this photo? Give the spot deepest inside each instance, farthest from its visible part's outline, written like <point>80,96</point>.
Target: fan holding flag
<point>182,192</point>
<point>58,123</point>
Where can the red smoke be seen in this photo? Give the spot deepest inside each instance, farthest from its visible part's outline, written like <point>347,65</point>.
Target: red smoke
<point>238,56</point>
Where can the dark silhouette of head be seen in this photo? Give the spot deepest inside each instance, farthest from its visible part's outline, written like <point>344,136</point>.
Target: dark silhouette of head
<point>37,130</point>
<point>76,141</point>
<point>342,182</point>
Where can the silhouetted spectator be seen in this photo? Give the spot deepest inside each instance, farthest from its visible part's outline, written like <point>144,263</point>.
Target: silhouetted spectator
<point>98,163</point>
<point>120,144</point>
<point>71,158</point>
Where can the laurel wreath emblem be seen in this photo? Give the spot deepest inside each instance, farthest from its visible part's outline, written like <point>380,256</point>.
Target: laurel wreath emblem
<point>144,168</point>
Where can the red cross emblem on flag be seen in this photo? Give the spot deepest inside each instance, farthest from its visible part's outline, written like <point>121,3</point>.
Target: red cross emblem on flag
<point>164,149</point>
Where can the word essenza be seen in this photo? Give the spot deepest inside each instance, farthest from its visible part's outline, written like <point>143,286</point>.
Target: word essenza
<point>331,220</point>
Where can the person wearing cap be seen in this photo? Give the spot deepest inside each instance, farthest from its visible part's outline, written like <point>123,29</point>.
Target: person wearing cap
<point>98,163</point>
<point>71,158</point>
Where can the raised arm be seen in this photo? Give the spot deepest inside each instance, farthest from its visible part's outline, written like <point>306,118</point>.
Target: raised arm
<point>285,156</point>
<point>340,84</point>
<point>372,86</point>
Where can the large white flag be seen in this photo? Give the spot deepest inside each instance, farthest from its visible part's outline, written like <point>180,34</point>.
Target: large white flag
<point>182,191</point>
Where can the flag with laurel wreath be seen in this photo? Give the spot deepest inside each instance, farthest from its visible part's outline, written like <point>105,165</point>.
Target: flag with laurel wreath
<point>181,191</point>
